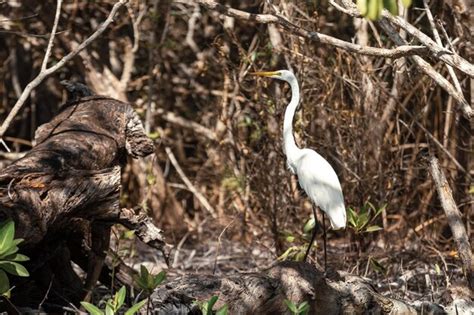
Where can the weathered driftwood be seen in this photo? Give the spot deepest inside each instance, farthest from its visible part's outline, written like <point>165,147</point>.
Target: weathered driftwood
<point>264,293</point>
<point>64,194</point>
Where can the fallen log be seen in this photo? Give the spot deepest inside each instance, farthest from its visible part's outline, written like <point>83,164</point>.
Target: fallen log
<point>265,293</point>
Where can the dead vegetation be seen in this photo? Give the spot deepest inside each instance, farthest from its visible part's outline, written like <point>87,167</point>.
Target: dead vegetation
<point>218,185</point>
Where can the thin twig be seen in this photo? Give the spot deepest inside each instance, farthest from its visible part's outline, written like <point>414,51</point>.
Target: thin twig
<point>5,145</point>
<point>51,37</point>
<point>49,287</point>
<point>178,249</point>
<point>43,74</point>
<point>188,183</point>
<point>219,242</point>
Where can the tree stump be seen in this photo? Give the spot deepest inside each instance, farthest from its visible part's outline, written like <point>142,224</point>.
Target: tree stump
<point>64,196</point>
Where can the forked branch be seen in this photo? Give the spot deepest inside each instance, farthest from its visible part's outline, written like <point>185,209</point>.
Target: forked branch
<point>45,72</point>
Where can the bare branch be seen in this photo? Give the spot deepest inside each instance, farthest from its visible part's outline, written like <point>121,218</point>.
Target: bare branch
<point>454,219</point>
<point>405,50</point>
<point>184,123</point>
<point>437,51</point>
<point>428,70</point>
<point>188,183</point>
<point>436,36</point>
<point>43,74</point>
<point>53,34</point>
<point>385,24</point>
<point>129,58</point>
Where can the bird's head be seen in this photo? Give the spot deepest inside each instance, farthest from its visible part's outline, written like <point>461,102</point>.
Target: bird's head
<point>284,75</point>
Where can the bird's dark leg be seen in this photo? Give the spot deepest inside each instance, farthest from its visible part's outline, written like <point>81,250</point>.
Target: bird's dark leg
<point>324,242</point>
<point>315,230</point>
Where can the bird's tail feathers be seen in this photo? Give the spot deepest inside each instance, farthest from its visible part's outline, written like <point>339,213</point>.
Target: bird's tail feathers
<point>337,217</point>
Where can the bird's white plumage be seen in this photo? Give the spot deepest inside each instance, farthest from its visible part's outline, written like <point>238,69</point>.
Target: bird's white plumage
<point>320,182</point>
<point>315,175</point>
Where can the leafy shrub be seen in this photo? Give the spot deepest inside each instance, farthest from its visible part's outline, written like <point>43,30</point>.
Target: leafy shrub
<point>9,257</point>
<point>113,305</point>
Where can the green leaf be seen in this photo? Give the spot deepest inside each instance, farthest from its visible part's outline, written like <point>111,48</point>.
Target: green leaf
<point>132,310</point>
<point>141,284</point>
<point>379,211</point>
<point>145,280</point>
<point>128,235</point>
<point>143,272</point>
<point>362,6</point>
<point>211,303</point>
<point>303,308</point>
<point>14,268</point>
<point>4,282</point>
<point>375,9</point>
<point>202,306</point>
<point>8,252</point>
<point>223,310</point>
<point>120,298</point>
<point>373,228</point>
<point>92,309</point>
<point>376,265</point>
<point>290,238</point>
<point>16,257</point>
<point>406,3</point>
<point>309,226</point>
<point>391,6</point>
<point>154,135</point>
<point>159,279</point>
<point>7,232</point>
<point>289,251</point>
<point>291,306</point>
<point>109,309</point>
<point>351,217</point>
<point>301,253</point>
<point>363,220</point>
<point>13,248</point>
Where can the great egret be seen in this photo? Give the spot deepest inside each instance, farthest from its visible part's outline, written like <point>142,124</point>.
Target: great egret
<point>315,175</point>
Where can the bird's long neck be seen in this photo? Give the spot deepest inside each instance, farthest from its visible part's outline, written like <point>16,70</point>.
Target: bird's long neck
<point>291,149</point>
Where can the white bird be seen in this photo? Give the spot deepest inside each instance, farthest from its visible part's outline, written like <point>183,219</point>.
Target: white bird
<point>315,175</point>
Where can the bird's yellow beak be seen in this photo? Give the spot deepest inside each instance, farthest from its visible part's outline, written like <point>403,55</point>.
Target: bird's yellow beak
<point>266,73</point>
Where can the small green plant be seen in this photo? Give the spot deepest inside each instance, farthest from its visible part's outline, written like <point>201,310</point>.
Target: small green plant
<point>295,309</point>
<point>124,248</point>
<point>113,305</point>
<point>372,9</point>
<point>376,265</point>
<point>9,257</point>
<point>362,221</point>
<point>206,307</point>
<point>147,281</point>
<point>297,252</point>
